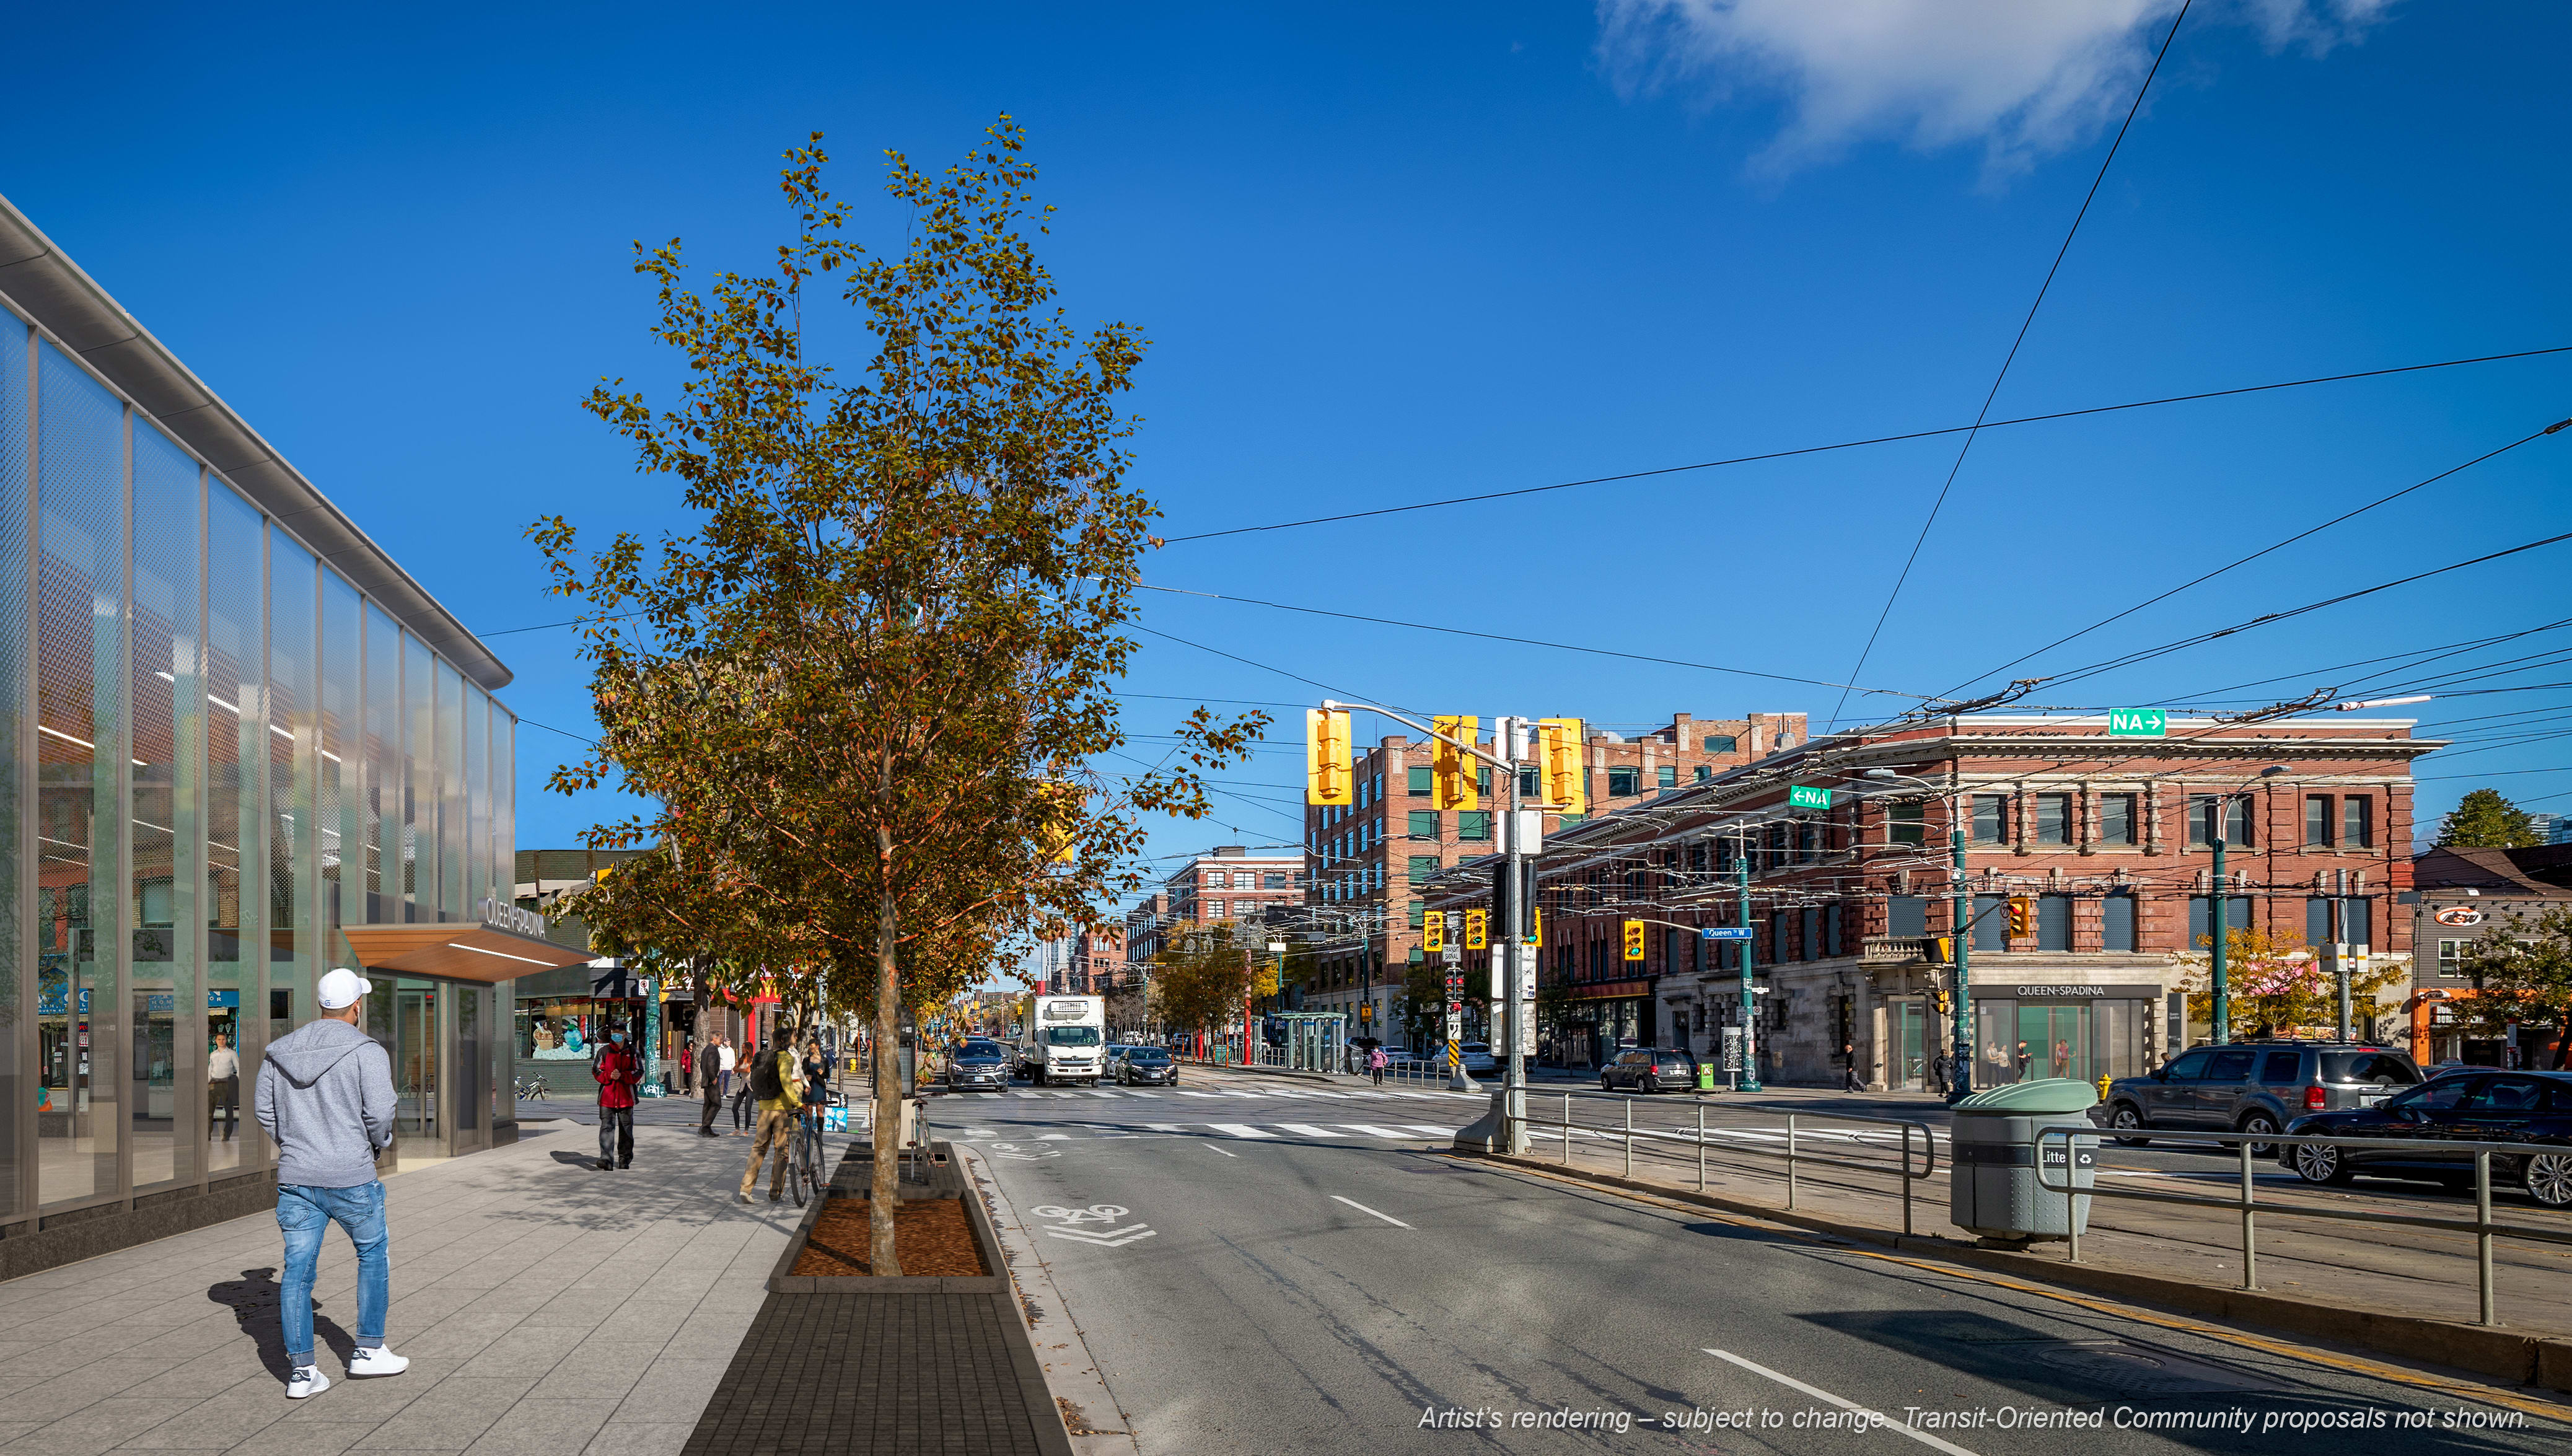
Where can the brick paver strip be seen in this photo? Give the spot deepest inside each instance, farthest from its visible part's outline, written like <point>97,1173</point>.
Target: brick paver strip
<point>871,1373</point>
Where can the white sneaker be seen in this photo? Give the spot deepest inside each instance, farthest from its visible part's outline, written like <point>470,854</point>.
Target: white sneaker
<point>379,1361</point>
<point>305,1381</point>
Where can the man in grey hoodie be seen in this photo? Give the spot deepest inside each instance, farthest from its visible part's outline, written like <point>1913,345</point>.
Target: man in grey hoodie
<point>325,1097</point>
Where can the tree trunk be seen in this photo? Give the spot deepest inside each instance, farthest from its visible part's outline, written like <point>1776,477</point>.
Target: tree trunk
<point>884,1189</point>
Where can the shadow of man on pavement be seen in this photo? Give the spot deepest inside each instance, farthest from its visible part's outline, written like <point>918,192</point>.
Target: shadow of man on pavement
<point>254,1302</point>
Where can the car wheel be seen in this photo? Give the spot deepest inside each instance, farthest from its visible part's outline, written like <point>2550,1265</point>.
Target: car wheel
<point>2319,1165</point>
<point>1651,1086</point>
<point>2548,1180</point>
<point>2260,1122</point>
<point>2125,1116</point>
<point>1604,1084</point>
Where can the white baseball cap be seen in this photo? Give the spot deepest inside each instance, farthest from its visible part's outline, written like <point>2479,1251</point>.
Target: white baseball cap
<point>340,988</point>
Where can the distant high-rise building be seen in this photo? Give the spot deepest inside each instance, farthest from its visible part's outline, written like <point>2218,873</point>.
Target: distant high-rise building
<point>2551,828</point>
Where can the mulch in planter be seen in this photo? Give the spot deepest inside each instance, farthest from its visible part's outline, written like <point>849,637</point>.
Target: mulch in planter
<point>932,1235</point>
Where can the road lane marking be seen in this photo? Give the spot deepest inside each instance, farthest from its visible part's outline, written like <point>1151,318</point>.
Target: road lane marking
<point>1053,1138</point>
<point>1228,1154</point>
<point>1817,1393</point>
<point>1167,1127</point>
<point>1372,1130</point>
<point>1363,1208</point>
<point>1309,1131</point>
<point>1093,1091</point>
<point>1426,1130</point>
<point>1196,1094</point>
<point>1239,1129</point>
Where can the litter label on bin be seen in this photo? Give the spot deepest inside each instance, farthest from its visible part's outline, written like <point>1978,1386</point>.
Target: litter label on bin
<point>2018,1155</point>
<point>2089,1157</point>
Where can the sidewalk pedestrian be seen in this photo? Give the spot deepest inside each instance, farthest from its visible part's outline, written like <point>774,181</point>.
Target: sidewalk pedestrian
<point>722,1066</point>
<point>326,1098</point>
<point>777,1081</point>
<point>1938,1073</point>
<point>223,1084</point>
<point>741,1096</point>
<point>617,1072</point>
<point>1375,1064</point>
<point>1849,1079</point>
<point>710,1081</point>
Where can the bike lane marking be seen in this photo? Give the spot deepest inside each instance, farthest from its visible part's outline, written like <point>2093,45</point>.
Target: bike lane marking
<point>1363,1208</point>
<point>1817,1393</point>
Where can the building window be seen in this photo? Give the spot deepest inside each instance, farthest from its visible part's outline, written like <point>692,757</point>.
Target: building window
<point>1668,775</point>
<point>1423,868</point>
<point>1418,914</point>
<point>1622,782</point>
<point>1808,836</point>
<point>1474,825</point>
<point>1778,942</point>
<point>1419,782</point>
<point>1991,819</point>
<point>2054,922</point>
<point>2317,820</point>
<point>2117,923</point>
<point>2054,818</point>
<point>1991,922</point>
<point>1906,914</point>
<point>2358,921</point>
<point>2317,922</point>
<point>1705,773</point>
<point>1831,930</point>
<point>1907,823</point>
<point>2357,822</point>
<point>2115,819</point>
<point>1483,780</point>
<point>2201,821</point>
<point>2236,914</point>
<point>1719,743</point>
<point>1273,879</point>
<point>1531,784</point>
<point>2451,959</point>
<point>1424,824</point>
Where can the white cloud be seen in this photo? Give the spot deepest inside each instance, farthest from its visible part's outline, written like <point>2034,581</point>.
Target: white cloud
<point>2019,78</point>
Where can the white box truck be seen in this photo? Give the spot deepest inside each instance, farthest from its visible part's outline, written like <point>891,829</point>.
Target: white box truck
<point>1065,1041</point>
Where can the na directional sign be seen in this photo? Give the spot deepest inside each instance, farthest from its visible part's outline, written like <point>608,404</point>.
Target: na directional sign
<point>2138,723</point>
<point>1805,796</point>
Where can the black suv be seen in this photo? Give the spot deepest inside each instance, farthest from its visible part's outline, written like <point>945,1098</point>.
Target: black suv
<point>1650,1070</point>
<point>2433,1119</point>
<point>2252,1086</point>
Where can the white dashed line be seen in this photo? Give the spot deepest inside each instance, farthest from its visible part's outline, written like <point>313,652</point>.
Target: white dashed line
<point>1363,1208</point>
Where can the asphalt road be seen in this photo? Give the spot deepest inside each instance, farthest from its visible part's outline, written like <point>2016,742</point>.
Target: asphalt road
<point>1260,1269</point>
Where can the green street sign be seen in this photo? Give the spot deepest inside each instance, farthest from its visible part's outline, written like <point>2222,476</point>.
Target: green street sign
<point>1805,796</point>
<point>2136,722</point>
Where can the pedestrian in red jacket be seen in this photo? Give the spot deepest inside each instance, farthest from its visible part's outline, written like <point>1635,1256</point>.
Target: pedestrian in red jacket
<point>617,1072</point>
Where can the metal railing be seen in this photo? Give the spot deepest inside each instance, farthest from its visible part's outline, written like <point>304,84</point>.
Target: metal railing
<point>1798,1151</point>
<point>2480,1226</point>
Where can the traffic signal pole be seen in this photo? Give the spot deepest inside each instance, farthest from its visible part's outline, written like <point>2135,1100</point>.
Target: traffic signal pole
<point>2219,927</point>
<point>1960,1071</point>
<point>1749,994</point>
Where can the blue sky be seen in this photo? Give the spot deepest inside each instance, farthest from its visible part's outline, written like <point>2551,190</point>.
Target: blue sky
<point>1395,254</point>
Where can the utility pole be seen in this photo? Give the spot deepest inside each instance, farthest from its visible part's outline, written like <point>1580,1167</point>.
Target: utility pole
<point>2218,926</point>
<point>1960,1071</point>
<point>1749,994</point>
<point>1511,742</point>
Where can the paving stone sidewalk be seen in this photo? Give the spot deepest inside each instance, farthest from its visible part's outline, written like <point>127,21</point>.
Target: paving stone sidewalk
<point>547,1308</point>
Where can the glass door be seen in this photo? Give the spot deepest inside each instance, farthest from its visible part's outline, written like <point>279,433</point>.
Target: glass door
<point>1910,1037</point>
<point>415,1067</point>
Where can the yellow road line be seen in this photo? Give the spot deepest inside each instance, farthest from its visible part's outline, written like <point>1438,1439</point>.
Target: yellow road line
<point>2352,1365</point>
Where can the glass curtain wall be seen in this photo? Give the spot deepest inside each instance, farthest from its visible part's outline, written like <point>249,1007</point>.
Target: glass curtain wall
<point>217,753</point>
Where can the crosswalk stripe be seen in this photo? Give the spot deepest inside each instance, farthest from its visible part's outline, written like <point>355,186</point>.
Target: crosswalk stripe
<point>1309,1131</point>
<point>1239,1129</point>
<point>1196,1094</point>
<point>1374,1131</point>
<point>1423,1128</point>
<point>1097,1094</point>
<point>1167,1127</point>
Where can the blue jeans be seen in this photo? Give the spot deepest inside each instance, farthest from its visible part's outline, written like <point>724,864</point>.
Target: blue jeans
<point>308,1213</point>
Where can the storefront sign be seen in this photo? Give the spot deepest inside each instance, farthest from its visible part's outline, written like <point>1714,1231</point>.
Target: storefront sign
<point>501,917</point>
<point>2086,993</point>
<point>1612,990</point>
<point>2458,914</point>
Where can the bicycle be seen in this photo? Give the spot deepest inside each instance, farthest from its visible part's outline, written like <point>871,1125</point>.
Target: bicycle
<point>805,1154</point>
<point>533,1087</point>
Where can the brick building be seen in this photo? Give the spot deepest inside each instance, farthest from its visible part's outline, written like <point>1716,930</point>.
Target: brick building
<point>1367,862</point>
<point>2106,837</point>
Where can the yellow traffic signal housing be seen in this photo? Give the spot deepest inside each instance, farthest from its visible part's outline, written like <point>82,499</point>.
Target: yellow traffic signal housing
<point>1478,930</point>
<point>1536,926</point>
<point>2022,917</point>
<point>1327,776</point>
<point>1451,772</point>
<point>1433,930</point>
<point>1942,949</point>
<point>1562,777</point>
<point>1633,939</point>
<point>1062,813</point>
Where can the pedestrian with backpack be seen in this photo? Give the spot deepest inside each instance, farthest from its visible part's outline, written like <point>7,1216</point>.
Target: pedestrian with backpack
<point>617,1072</point>
<point>1375,1064</point>
<point>778,1083</point>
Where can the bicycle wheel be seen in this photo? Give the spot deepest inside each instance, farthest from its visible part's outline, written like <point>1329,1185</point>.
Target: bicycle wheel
<point>795,1172</point>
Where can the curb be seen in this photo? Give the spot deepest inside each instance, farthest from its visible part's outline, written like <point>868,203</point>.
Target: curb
<point>2521,1359</point>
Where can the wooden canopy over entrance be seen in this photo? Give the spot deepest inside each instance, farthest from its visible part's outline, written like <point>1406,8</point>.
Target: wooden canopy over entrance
<point>457,951</point>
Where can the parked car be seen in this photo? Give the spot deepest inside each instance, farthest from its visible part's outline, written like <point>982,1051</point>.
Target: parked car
<point>1478,1059</point>
<point>977,1064</point>
<point>1142,1067</point>
<point>1650,1070</point>
<point>2252,1086</point>
<point>2439,1116</point>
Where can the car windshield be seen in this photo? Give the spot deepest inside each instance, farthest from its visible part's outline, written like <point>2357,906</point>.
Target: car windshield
<point>1147,1053</point>
<point>2382,1068</point>
<point>979,1051</point>
<point>1072,1035</point>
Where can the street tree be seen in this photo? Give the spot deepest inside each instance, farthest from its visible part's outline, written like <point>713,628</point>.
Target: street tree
<point>2276,986</point>
<point>2522,973</point>
<point>1209,970</point>
<point>863,692</point>
<point>2485,820</point>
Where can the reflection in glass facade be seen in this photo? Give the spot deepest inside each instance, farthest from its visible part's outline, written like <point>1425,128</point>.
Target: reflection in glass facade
<point>219,751</point>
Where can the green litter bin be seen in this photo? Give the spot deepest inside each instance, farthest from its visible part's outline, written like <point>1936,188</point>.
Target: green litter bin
<point>1706,1077</point>
<point>1992,1182</point>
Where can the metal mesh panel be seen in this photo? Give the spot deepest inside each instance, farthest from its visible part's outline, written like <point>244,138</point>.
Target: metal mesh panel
<point>291,813</point>
<point>169,1081</point>
<point>380,812</point>
<point>337,759</point>
<point>235,745</point>
<point>419,782</point>
<point>451,790</point>
<point>80,611</point>
<point>16,1186</point>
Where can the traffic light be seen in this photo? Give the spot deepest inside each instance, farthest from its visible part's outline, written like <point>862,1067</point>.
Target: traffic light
<point>2022,913</point>
<point>1061,816</point>
<point>1478,930</point>
<point>1433,930</point>
<point>1633,939</point>
<point>1536,926</point>
<point>1327,777</point>
<point>1562,777</point>
<point>1451,772</point>
<point>1942,949</point>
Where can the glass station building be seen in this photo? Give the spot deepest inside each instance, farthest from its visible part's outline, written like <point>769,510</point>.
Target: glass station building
<point>238,746</point>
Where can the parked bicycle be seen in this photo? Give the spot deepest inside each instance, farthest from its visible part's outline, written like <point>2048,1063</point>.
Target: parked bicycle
<point>533,1087</point>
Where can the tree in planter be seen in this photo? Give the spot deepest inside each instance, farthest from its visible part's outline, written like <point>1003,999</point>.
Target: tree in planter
<point>2522,973</point>
<point>2485,820</point>
<point>2275,984</point>
<point>861,693</point>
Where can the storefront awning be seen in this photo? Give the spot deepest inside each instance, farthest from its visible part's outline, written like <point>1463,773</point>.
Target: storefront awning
<point>457,952</point>
<point>1611,991</point>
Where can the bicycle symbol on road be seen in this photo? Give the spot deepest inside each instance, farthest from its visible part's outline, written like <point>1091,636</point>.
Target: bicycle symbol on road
<point>1021,1153</point>
<point>1071,1219</point>
<point>1096,1213</point>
